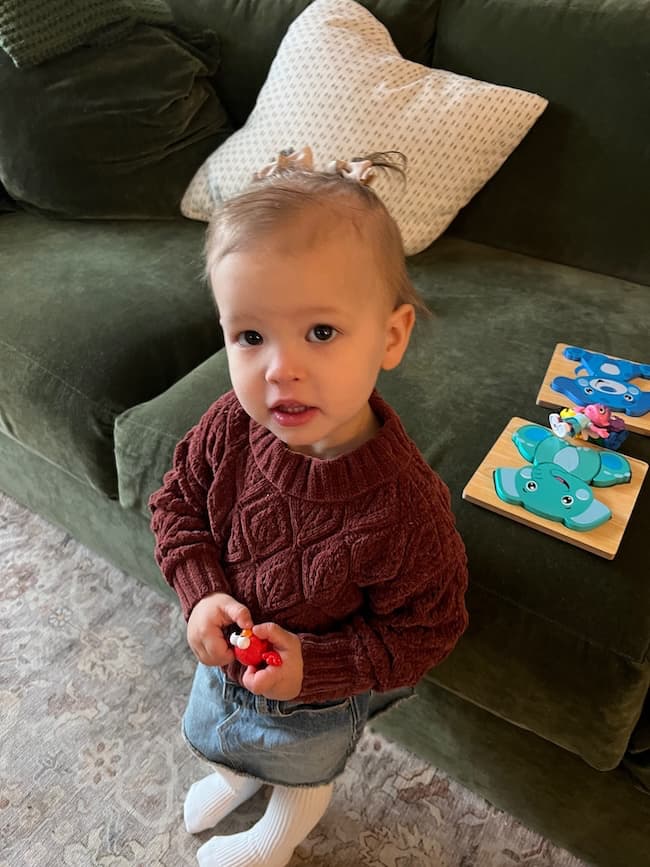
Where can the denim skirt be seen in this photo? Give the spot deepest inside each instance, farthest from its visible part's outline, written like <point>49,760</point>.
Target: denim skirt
<point>286,743</point>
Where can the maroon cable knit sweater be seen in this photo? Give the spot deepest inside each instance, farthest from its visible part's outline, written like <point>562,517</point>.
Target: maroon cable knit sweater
<point>359,555</point>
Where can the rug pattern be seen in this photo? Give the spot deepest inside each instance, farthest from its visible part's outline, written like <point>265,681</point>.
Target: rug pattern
<point>94,673</point>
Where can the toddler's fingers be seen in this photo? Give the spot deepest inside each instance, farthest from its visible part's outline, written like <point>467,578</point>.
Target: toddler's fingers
<point>256,681</point>
<point>238,614</point>
<point>273,633</point>
<point>217,652</point>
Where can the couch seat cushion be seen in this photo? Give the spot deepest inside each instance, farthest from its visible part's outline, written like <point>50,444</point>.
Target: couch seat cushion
<point>96,317</point>
<point>560,636</point>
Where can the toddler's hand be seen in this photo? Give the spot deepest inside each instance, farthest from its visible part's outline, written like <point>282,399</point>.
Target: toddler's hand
<point>282,682</point>
<point>205,627</point>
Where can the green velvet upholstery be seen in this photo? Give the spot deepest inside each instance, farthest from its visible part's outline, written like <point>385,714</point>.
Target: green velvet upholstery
<point>6,202</point>
<point>576,189</point>
<point>129,316</point>
<point>110,130</point>
<point>32,31</point>
<point>245,62</point>
<point>145,435</point>
<point>95,520</point>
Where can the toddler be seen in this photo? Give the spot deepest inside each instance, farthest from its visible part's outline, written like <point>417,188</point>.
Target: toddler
<point>298,506</point>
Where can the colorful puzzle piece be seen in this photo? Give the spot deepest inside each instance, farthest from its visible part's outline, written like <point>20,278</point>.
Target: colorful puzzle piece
<point>607,381</point>
<point>604,540</point>
<point>557,485</point>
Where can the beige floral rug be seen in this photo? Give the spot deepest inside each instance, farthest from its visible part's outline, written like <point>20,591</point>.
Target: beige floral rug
<point>94,671</point>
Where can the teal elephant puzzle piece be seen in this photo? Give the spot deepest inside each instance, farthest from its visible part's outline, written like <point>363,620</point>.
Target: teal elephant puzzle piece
<point>557,484</point>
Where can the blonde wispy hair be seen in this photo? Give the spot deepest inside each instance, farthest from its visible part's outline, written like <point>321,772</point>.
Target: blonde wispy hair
<point>278,199</point>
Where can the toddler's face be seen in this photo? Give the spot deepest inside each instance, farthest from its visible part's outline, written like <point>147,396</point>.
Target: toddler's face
<point>307,332</point>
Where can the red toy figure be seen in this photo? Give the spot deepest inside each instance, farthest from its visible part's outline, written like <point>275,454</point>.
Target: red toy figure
<point>251,650</point>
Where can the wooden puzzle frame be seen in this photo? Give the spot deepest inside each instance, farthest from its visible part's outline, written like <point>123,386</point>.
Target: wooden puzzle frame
<point>604,541</point>
<point>561,366</point>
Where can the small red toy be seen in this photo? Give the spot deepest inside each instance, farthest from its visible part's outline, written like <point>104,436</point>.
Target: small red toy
<point>251,650</point>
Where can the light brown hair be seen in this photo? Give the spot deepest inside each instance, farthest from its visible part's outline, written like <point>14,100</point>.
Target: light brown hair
<point>291,194</point>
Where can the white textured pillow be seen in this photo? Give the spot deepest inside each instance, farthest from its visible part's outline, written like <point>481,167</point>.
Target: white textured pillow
<point>339,85</point>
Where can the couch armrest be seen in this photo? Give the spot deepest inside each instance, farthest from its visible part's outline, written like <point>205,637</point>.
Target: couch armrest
<point>146,434</point>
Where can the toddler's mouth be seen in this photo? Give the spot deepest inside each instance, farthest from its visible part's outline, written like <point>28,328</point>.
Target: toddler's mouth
<point>290,408</point>
<point>290,414</point>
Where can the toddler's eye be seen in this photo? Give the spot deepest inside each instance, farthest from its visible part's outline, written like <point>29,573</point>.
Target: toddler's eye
<point>321,333</point>
<point>249,338</point>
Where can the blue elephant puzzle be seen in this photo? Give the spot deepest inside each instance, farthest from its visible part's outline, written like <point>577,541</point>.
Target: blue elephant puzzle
<point>557,483</point>
<point>605,380</point>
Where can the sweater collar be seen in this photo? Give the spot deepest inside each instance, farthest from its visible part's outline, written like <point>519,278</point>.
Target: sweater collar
<point>370,465</point>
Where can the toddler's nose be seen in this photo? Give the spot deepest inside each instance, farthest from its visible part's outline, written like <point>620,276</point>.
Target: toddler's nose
<point>284,366</point>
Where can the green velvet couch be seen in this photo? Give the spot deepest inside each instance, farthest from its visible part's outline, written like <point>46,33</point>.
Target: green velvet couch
<point>109,352</point>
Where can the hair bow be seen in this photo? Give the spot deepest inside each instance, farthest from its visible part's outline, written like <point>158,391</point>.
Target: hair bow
<point>360,170</point>
<point>288,159</point>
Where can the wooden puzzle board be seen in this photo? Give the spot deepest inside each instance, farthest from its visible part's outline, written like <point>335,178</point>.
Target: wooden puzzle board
<point>561,366</point>
<point>603,541</point>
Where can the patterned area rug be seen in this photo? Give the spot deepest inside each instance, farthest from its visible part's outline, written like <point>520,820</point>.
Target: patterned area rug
<point>94,671</point>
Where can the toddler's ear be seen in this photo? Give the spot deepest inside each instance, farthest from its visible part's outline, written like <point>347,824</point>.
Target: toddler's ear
<point>398,333</point>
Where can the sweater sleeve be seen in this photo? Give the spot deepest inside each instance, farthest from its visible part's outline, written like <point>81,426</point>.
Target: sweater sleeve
<point>186,549</point>
<point>407,625</point>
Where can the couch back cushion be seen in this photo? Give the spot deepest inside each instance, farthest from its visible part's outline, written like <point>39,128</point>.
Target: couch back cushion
<point>576,189</point>
<point>250,33</point>
<point>110,131</point>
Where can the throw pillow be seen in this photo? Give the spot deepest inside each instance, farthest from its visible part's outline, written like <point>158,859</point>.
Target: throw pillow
<point>110,131</point>
<point>339,85</point>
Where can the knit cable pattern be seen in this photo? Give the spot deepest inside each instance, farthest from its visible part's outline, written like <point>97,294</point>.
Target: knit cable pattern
<point>359,556</point>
